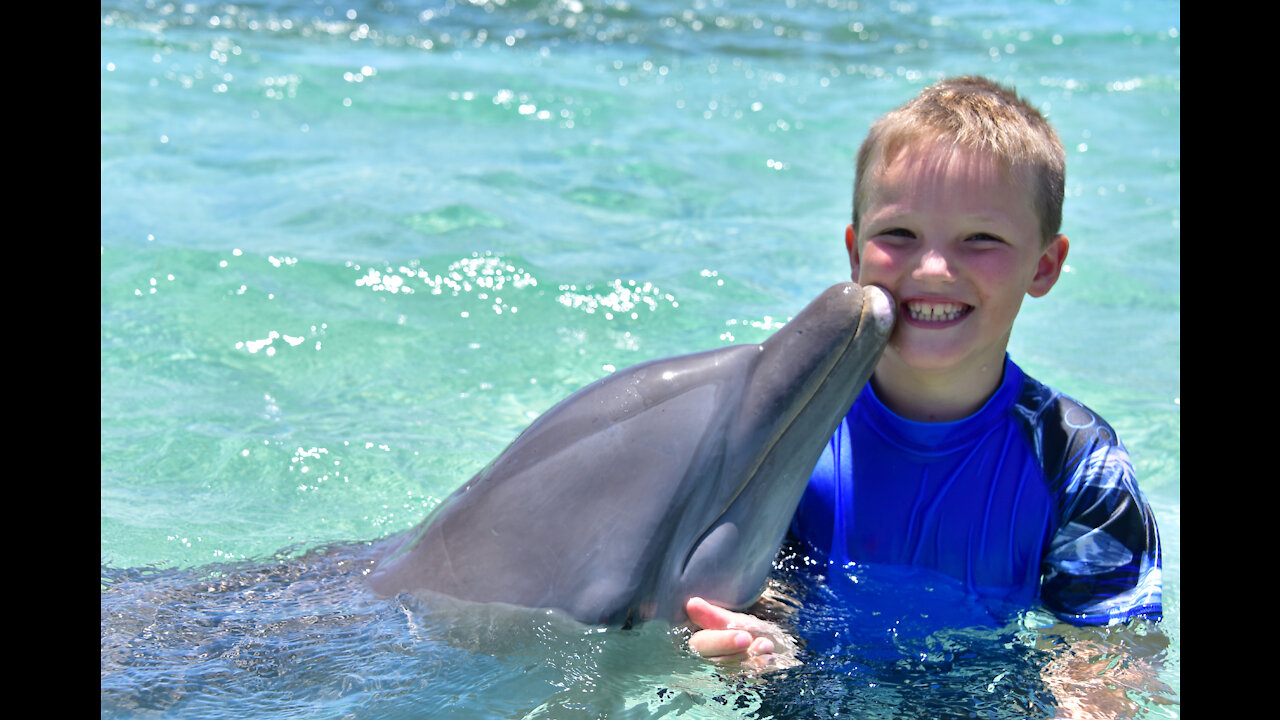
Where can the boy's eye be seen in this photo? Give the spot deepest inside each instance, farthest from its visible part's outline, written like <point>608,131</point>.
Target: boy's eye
<point>898,233</point>
<point>985,237</point>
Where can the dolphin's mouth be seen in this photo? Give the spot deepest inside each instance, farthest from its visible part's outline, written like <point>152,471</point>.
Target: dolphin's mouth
<point>876,317</point>
<point>877,307</point>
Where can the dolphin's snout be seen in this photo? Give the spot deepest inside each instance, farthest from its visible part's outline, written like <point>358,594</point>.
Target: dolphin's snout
<point>880,305</point>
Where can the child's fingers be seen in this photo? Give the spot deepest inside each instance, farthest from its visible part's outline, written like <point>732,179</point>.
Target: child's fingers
<point>721,643</point>
<point>708,616</point>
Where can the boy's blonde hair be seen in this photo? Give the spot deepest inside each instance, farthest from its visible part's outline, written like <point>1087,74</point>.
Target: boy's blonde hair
<point>978,114</point>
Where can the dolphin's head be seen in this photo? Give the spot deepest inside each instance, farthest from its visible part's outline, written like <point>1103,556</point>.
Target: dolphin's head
<point>804,382</point>
<point>668,479</point>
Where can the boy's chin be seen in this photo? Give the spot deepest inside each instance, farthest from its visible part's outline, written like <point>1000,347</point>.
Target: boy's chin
<point>941,358</point>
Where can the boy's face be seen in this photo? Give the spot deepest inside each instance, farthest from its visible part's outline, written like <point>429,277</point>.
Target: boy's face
<point>957,242</point>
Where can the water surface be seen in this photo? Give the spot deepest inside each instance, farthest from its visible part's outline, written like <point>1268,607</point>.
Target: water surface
<point>348,252</point>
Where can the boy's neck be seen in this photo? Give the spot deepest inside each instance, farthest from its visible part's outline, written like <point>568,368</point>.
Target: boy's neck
<point>935,397</point>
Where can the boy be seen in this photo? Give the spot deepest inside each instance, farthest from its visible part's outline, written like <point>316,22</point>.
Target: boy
<point>951,458</point>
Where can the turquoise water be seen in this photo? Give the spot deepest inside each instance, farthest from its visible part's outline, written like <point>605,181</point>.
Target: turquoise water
<point>349,251</point>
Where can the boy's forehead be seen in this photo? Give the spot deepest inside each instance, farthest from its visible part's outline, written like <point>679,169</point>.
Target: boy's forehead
<point>949,171</point>
<point>944,165</point>
<point>941,159</point>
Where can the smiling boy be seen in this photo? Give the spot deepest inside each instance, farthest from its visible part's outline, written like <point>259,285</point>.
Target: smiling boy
<point>952,458</point>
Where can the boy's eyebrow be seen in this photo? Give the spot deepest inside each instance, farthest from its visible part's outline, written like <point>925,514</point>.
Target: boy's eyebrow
<point>887,215</point>
<point>988,217</point>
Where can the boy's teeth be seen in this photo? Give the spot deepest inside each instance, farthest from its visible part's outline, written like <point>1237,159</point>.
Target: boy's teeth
<point>936,312</point>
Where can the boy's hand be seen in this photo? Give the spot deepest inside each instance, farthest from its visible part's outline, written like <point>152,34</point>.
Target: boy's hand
<point>730,637</point>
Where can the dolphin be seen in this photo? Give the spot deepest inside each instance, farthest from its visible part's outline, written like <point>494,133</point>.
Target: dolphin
<point>672,478</point>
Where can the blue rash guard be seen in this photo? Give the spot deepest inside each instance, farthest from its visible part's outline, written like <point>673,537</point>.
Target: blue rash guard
<point>1031,498</point>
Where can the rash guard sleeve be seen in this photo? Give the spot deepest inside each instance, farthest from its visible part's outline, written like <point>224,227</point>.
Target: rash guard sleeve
<point>1102,564</point>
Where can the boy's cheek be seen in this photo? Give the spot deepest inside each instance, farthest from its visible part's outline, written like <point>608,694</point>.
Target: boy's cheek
<point>872,260</point>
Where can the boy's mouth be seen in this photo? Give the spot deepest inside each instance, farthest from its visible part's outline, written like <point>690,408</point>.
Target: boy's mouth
<point>935,312</point>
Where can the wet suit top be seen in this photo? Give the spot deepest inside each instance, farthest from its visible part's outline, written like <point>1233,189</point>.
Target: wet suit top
<point>1031,498</point>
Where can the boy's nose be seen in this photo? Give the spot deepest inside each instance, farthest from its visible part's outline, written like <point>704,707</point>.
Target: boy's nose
<point>933,266</point>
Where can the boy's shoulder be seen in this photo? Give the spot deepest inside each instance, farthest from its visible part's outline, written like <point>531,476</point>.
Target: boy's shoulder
<point>1064,433</point>
<point>1042,405</point>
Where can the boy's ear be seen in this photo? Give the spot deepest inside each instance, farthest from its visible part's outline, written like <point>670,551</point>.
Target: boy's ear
<point>1050,266</point>
<point>851,243</point>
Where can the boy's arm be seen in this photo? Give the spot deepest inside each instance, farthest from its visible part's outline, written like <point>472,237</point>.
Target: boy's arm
<point>1096,672</point>
<point>1102,574</point>
<point>1103,565</point>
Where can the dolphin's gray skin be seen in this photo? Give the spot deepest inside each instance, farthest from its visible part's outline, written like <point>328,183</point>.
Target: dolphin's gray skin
<point>669,479</point>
